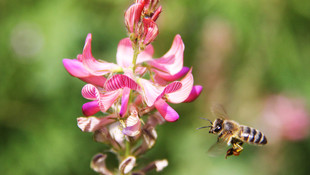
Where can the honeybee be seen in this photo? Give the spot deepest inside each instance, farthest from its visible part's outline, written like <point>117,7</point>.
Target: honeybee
<point>231,133</point>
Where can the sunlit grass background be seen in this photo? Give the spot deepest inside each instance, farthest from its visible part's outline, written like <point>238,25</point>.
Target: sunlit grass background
<point>242,51</point>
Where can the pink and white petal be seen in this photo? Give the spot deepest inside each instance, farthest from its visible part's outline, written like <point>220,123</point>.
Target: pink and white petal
<point>90,108</point>
<point>133,126</point>
<point>172,61</point>
<point>182,94</point>
<point>106,100</point>
<point>146,55</point>
<point>124,53</point>
<point>168,77</point>
<point>196,91</point>
<point>150,92</point>
<point>75,68</point>
<point>140,70</point>
<point>91,124</point>
<point>95,80</point>
<point>90,92</point>
<point>166,111</point>
<point>125,98</point>
<point>172,87</point>
<point>92,65</point>
<point>120,81</point>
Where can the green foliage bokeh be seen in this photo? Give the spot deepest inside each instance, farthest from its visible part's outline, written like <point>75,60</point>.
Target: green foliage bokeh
<point>40,101</point>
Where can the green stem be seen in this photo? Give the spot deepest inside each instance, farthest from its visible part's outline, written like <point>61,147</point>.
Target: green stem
<point>135,55</point>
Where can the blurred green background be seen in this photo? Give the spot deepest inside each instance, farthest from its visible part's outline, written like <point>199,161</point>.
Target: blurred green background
<point>242,51</point>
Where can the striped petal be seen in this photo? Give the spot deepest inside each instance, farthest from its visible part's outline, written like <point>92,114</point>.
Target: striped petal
<point>167,77</point>
<point>90,108</point>
<point>124,53</point>
<point>90,92</point>
<point>91,124</point>
<point>95,67</point>
<point>182,94</point>
<point>107,99</point>
<point>172,61</point>
<point>196,91</point>
<point>166,111</point>
<point>150,92</point>
<point>119,81</point>
<point>172,87</point>
<point>125,98</point>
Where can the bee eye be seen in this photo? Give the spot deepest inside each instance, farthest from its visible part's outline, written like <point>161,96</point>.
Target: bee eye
<point>218,128</point>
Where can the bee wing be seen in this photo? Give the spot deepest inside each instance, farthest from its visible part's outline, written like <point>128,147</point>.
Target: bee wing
<point>219,111</point>
<point>218,148</point>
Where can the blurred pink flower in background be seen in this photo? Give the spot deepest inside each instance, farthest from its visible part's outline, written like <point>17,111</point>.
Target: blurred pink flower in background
<point>286,118</point>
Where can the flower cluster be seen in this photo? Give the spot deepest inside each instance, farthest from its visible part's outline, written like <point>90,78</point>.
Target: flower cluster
<point>133,94</point>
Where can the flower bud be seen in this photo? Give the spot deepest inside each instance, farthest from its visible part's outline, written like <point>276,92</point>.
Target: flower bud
<point>161,164</point>
<point>115,131</point>
<point>98,164</point>
<point>133,15</point>
<point>127,164</point>
<point>149,135</point>
<point>150,31</point>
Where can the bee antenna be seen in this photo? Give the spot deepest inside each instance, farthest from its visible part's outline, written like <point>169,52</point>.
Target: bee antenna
<point>204,127</point>
<point>206,119</point>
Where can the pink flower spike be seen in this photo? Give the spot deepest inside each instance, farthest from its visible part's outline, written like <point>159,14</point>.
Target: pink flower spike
<point>132,16</point>
<point>133,125</point>
<point>196,91</point>
<point>91,124</point>
<point>166,111</point>
<point>167,77</point>
<point>125,98</point>
<point>172,61</point>
<point>92,65</point>
<point>90,108</point>
<point>124,53</point>
<point>156,13</point>
<point>90,92</point>
<point>150,31</point>
<point>183,93</point>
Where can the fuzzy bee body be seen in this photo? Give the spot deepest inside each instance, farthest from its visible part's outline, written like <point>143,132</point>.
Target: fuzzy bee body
<point>251,135</point>
<point>232,133</point>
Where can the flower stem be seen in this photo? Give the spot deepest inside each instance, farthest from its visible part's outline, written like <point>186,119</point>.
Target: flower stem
<point>135,55</point>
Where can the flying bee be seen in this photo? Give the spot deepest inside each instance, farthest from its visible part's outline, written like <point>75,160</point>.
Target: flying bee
<point>231,133</point>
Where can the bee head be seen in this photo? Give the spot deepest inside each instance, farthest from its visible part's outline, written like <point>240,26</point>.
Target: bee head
<point>217,126</point>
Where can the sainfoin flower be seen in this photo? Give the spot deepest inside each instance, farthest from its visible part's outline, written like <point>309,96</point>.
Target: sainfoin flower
<point>104,92</point>
<point>133,95</point>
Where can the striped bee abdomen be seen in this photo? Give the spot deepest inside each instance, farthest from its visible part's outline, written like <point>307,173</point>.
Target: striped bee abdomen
<point>251,135</point>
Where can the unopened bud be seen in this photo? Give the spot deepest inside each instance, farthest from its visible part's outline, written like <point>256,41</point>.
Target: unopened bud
<point>149,135</point>
<point>98,164</point>
<point>161,164</point>
<point>133,15</point>
<point>156,13</point>
<point>127,164</point>
<point>150,31</point>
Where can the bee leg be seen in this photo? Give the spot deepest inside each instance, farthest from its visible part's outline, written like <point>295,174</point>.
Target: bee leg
<point>229,152</point>
<point>237,148</point>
